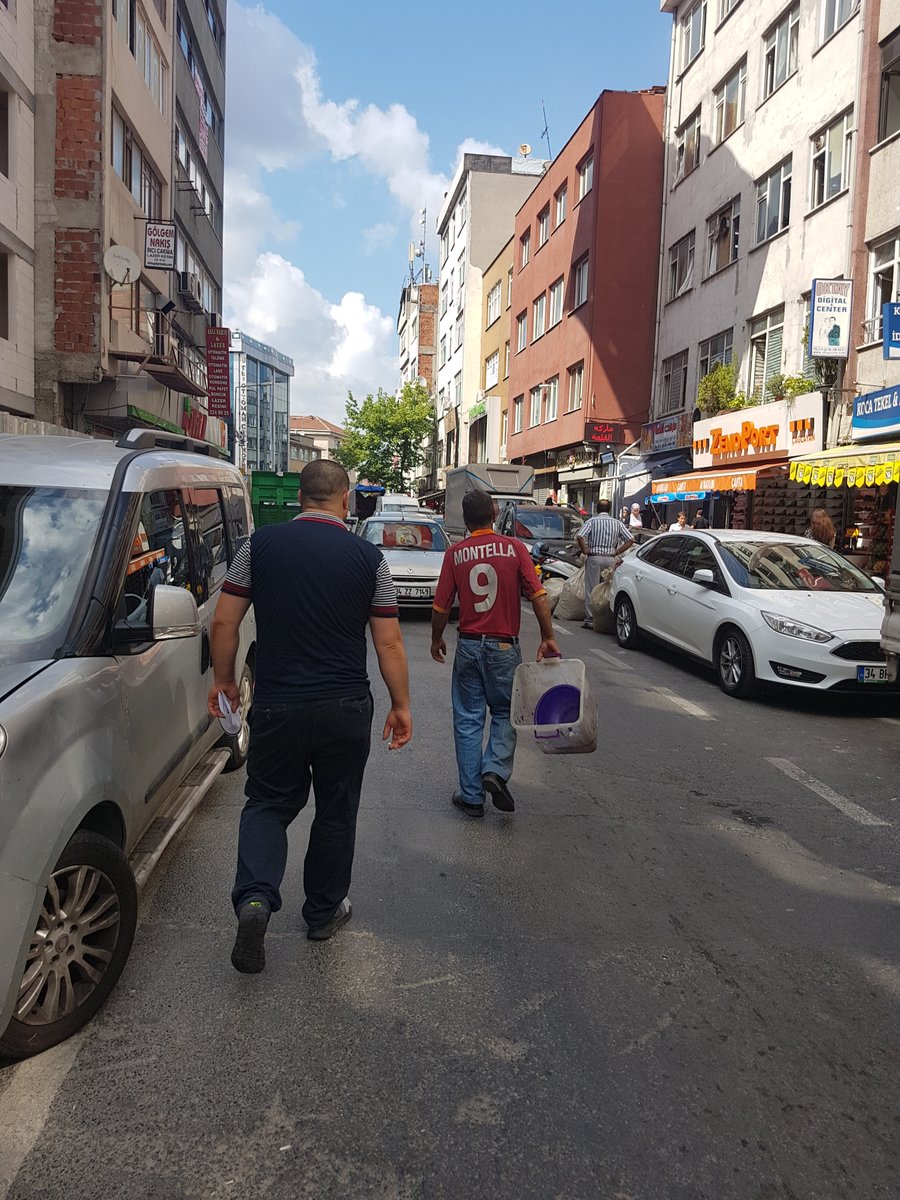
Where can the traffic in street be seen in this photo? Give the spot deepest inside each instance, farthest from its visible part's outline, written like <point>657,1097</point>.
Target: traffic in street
<point>672,972</point>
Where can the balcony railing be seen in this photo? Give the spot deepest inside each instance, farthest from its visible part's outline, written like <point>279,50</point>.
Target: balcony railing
<point>872,330</point>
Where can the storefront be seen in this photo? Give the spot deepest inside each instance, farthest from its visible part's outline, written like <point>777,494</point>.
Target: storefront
<point>724,497</point>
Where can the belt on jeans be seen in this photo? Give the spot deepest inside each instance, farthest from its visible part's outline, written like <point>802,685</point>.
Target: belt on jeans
<point>487,637</point>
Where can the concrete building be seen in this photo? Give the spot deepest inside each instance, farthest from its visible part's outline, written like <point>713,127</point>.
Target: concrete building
<point>761,128</point>
<point>17,105</point>
<point>302,450</point>
<point>489,416</point>
<point>417,333</point>
<point>475,220</point>
<point>260,404</point>
<point>583,298</point>
<point>324,435</point>
<point>118,342</point>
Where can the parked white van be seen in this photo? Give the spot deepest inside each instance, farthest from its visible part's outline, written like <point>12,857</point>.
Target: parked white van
<point>112,557</point>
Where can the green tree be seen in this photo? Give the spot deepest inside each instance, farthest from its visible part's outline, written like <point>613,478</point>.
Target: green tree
<point>385,435</point>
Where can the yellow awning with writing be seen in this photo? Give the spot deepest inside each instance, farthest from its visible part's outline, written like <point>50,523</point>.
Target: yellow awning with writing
<point>849,466</point>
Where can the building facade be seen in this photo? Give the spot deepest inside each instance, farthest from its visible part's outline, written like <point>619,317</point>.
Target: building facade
<point>586,251</point>
<point>489,417</point>
<point>260,404</point>
<point>324,435</point>
<point>475,221</point>
<point>17,107</point>
<point>417,333</point>
<point>302,451</point>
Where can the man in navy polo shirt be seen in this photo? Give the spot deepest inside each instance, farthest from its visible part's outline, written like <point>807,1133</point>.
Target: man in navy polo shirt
<point>314,588</point>
<point>489,573</point>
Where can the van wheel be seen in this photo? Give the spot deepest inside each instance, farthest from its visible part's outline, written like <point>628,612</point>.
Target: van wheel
<point>734,665</point>
<point>238,744</point>
<point>78,948</point>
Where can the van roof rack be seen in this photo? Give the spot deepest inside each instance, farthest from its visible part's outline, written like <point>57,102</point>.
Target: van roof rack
<point>156,439</point>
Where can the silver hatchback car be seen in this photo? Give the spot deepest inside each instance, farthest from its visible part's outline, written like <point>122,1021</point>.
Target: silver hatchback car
<point>112,557</point>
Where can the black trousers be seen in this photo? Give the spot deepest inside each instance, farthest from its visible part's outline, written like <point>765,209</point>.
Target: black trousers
<point>323,742</point>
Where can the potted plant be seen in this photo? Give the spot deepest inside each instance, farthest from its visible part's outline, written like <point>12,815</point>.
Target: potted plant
<point>717,391</point>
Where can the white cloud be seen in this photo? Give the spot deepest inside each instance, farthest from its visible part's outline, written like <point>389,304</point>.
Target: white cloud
<point>377,236</point>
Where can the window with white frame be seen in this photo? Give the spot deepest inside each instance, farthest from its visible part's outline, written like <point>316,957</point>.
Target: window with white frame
<point>521,331</point>
<point>884,284</point>
<point>693,32</point>
<point>780,46</point>
<point>543,223</point>
<point>773,202</point>
<point>509,280</point>
<point>504,429</point>
<point>835,14</point>
<point>681,266</point>
<point>506,362</point>
<point>585,175</point>
<point>445,246</point>
<point>491,370</point>
<point>730,101</point>
<point>766,347</point>
<point>524,249</point>
<point>444,295</point>
<point>556,301</point>
<point>725,7</point>
<point>672,383</point>
<point>551,403</point>
<point>461,214</point>
<point>461,274</point>
<point>723,231</point>
<point>534,415</point>
<point>493,303</point>
<point>457,389</point>
<point>561,197</point>
<point>687,147</point>
<point>580,275</point>
<point>452,285</point>
<point>714,352</point>
<point>443,358</point>
<point>518,410</point>
<point>576,387</point>
<point>831,154</point>
<point>889,111</point>
<point>539,317</point>
<point>459,330</point>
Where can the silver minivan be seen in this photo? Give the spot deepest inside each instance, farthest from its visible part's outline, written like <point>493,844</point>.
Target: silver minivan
<point>112,557</point>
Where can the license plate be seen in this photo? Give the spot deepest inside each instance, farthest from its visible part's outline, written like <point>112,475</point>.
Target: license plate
<point>872,675</point>
<point>414,593</point>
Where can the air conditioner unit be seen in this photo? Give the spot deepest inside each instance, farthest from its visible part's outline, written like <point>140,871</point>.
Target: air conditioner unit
<point>215,319</point>
<point>197,287</point>
<point>184,283</point>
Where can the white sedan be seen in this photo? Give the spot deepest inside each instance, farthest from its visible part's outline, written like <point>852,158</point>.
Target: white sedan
<point>414,550</point>
<point>758,607</point>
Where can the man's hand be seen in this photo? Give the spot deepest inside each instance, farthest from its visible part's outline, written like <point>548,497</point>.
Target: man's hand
<point>439,651</point>
<point>397,727</point>
<point>548,649</point>
<point>232,695</point>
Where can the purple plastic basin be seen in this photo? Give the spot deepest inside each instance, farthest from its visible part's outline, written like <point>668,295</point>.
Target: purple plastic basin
<point>560,705</point>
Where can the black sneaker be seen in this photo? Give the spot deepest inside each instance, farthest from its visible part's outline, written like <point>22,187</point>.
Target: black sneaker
<point>249,953</point>
<point>471,810</point>
<point>321,933</point>
<point>498,792</point>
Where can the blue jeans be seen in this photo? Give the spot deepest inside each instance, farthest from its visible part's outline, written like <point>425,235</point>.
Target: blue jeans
<point>482,678</point>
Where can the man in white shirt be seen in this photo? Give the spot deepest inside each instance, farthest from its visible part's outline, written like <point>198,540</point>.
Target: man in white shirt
<point>601,540</point>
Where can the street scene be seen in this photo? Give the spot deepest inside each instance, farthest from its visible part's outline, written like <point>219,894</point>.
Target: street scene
<point>449,601</point>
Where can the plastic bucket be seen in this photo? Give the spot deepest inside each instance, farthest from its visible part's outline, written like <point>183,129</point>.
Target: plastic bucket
<point>551,701</point>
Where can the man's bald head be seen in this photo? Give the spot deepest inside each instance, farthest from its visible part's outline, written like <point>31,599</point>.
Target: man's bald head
<point>323,481</point>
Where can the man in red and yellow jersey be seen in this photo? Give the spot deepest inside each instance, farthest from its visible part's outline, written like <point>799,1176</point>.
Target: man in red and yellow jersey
<point>488,573</point>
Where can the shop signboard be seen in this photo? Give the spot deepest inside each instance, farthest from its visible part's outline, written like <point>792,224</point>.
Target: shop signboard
<point>218,384</point>
<point>698,486</point>
<point>159,245</point>
<point>477,410</point>
<point>602,433</point>
<point>765,432</point>
<point>829,318</point>
<point>890,330</point>
<point>670,497</point>
<point>669,433</point>
<point>876,413</point>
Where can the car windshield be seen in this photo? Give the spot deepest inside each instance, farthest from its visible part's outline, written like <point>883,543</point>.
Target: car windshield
<point>792,566</point>
<point>47,536</point>
<point>545,522</point>
<point>406,535</point>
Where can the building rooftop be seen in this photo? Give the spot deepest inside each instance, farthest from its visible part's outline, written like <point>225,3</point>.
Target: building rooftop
<point>315,425</point>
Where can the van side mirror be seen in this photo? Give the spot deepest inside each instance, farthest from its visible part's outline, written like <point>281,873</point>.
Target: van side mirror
<point>173,614</point>
<point>704,577</point>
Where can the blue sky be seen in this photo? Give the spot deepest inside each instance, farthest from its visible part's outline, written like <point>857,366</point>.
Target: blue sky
<point>340,126</point>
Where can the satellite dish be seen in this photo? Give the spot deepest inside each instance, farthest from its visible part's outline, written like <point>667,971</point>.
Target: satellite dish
<point>524,149</point>
<point>122,265</point>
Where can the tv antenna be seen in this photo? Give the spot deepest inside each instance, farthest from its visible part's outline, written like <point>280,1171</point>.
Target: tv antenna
<point>545,132</point>
<point>417,250</point>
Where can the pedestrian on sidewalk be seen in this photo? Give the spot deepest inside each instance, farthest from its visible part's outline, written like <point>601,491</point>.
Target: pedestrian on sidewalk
<point>314,588</point>
<point>488,573</point>
<point>601,540</point>
<point>821,528</point>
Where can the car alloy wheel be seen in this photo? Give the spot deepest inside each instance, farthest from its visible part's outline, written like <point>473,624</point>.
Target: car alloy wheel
<point>735,662</point>
<point>627,633</point>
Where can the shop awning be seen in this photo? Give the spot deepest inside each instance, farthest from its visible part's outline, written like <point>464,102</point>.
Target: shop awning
<point>679,460</point>
<point>685,487</point>
<point>849,466</point>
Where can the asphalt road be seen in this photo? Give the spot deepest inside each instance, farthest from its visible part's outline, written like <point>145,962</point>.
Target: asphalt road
<point>673,973</point>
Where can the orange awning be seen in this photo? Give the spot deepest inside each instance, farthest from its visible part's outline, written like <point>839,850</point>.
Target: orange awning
<point>706,481</point>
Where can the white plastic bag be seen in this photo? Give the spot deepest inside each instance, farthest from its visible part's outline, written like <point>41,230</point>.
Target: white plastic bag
<point>554,591</point>
<point>571,602</point>
<point>602,614</point>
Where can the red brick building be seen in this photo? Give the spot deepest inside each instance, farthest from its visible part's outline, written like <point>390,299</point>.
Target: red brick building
<point>584,296</point>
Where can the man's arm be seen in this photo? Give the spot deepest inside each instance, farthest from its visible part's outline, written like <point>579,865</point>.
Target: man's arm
<point>224,641</point>
<point>548,647</point>
<point>444,595</point>
<point>439,621</point>
<point>579,538</point>
<point>388,642</point>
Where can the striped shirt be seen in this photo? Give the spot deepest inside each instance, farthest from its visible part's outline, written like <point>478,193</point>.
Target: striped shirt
<point>603,533</point>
